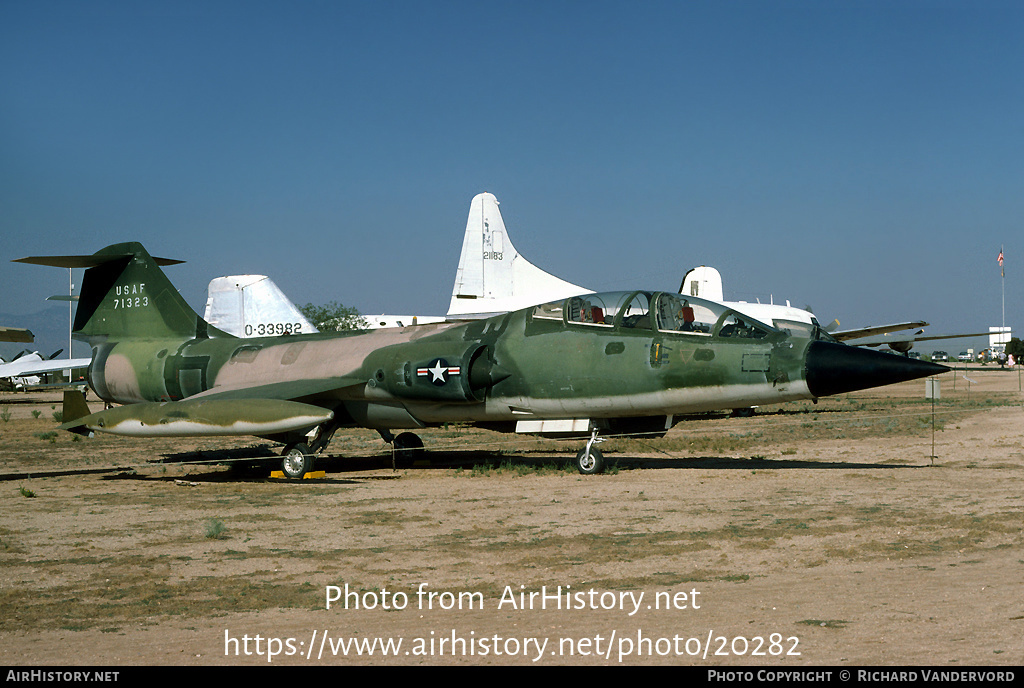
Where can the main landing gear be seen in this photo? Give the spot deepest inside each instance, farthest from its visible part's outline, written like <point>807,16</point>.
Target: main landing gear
<point>297,458</point>
<point>408,447</point>
<point>405,448</point>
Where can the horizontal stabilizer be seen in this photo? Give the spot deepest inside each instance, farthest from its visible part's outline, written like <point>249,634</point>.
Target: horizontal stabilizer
<point>91,261</point>
<point>125,294</point>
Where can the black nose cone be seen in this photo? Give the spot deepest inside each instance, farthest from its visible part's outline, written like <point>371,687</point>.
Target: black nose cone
<point>837,368</point>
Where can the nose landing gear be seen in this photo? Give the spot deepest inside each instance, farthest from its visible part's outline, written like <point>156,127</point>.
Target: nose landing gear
<point>590,460</point>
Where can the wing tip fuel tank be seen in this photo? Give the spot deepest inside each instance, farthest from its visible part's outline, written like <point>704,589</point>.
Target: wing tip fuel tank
<point>203,417</point>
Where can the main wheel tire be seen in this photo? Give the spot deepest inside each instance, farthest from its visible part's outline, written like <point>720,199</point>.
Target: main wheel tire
<point>408,447</point>
<point>297,461</point>
<point>592,463</point>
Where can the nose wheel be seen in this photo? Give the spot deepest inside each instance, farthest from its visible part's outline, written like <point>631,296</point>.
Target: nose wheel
<point>590,460</point>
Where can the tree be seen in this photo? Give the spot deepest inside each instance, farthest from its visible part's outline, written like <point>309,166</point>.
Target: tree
<point>1015,348</point>
<point>333,316</point>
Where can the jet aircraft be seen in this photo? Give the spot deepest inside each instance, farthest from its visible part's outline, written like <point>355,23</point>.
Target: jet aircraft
<point>619,362</point>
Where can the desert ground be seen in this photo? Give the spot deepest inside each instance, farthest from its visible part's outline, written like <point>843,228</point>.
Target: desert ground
<point>875,528</point>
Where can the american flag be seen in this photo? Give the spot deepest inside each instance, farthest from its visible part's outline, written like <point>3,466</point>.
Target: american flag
<point>1000,259</point>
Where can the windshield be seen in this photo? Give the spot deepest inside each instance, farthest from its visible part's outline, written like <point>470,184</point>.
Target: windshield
<point>687,314</point>
<point>601,309</point>
<point>741,327</point>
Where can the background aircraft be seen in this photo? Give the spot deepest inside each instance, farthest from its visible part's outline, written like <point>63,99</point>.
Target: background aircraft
<point>24,369</point>
<point>15,334</point>
<point>618,362</point>
<point>253,306</point>
<point>492,278</point>
<point>904,342</point>
<point>706,282</point>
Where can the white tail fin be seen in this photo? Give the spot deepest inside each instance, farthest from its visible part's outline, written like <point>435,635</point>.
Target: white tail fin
<point>704,282</point>
<point>252,306</point>
<point>492,276</point>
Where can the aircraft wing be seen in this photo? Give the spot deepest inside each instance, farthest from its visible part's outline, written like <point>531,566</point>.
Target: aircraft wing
<point>843,335</point>
<point>240,409</point>
<point>15,334</point>
<point>286,391</point>
<point>882,340</point>
<point>21,368</point>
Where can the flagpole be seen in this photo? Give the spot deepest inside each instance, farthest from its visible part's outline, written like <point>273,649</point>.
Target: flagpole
<point>71,305</point>
<point>1002,276</point>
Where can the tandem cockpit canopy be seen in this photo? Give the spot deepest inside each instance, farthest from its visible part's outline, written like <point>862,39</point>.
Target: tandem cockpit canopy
<point>663,311</point>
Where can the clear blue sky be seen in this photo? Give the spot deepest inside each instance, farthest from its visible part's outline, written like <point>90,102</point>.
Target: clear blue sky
<point>865,158</point>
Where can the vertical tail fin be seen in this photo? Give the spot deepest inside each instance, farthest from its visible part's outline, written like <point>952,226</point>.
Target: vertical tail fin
<point>125,294</point>
<point>492,277</point>
<point>251,306</point>
<point>704,282</point>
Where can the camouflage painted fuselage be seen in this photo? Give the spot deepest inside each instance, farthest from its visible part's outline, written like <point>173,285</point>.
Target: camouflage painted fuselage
<point>617,355</point>
<point>505,368</point>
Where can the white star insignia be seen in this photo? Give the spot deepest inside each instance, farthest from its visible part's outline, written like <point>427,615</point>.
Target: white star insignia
<point>438,371</point>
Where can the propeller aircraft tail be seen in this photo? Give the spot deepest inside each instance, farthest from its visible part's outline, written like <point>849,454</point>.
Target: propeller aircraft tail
<point>492,277</point>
